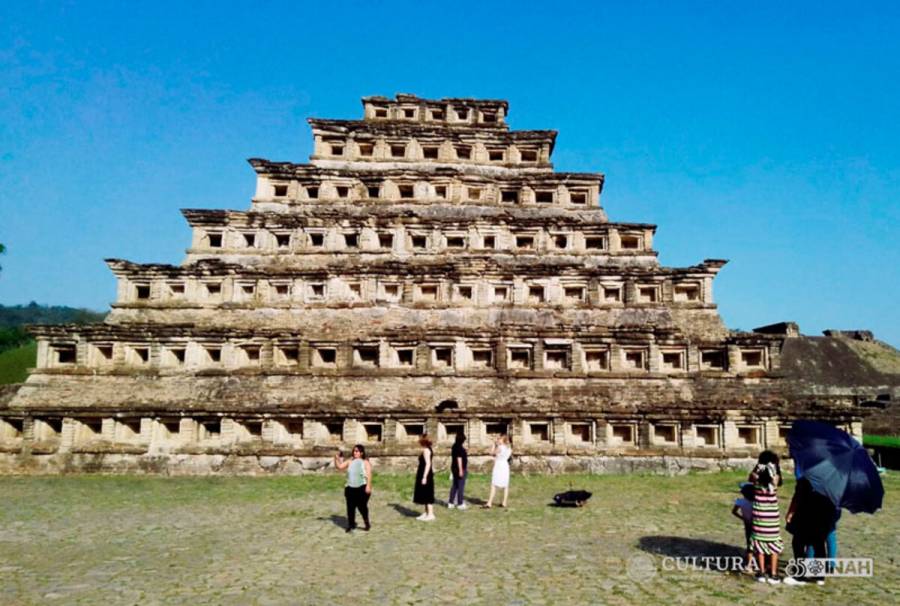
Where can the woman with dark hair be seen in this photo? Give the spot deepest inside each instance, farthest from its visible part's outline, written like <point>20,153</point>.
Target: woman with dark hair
<point>359,485</point>
<point>459,464</point>
<point>765,538</point>
<point>423,493</point>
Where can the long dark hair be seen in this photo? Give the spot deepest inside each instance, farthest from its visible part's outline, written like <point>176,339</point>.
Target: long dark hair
<point>361,449</point>
<point>767,457</point>
<point>425,441</point>
<point>460,438</point>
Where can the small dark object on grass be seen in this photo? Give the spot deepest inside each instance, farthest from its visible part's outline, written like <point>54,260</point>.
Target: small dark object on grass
<point>571,498</point>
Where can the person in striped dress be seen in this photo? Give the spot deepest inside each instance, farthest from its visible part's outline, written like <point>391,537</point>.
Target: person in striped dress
<point>765,538</point>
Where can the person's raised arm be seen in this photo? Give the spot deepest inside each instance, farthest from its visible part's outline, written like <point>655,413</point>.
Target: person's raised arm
<point>339,463</point>
<point>368,476</point>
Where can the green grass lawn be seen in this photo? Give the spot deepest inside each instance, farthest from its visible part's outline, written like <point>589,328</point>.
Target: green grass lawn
<point>873,440</point>
<point>14,363</point>
<point>281,540</point>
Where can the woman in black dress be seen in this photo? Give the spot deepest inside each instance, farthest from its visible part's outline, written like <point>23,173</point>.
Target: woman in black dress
<point>423,494</point>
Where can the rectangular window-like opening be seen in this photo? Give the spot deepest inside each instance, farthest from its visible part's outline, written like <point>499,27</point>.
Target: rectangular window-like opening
<point>464,292</point>
<point>249,240</point>
<point>254,428</point>
<point>440,191</point>
<point>488,117</point>
<point>707,435</point>
<point>381,112</point>
<point>325,357</point>
<point>177,355</point>
<point>411,432</point>
<point>247,290</point>
<point>312,193</point>
<point>463,152</point>
<point>525,242</point>
<point>282,290</point>
<point>462,113</point>
<point>365,355</point>
<point>288,354</point>
<point>373,191</point>
<point>752,358</point>
<point>366,149</point>
<point>666,433</point>
<point>251,353</point>
<point>596,359</point>
<point>539,432</point>
<point>594,243</point>
<point>406,191</point>
<point>536,294</point>
<point>430,153</point>
<point>176,289</point>
<point>280,190</point>
<point>442,357</point>
<point>560,241</point>
<point>409,112</point>
<point>428,292</point>
<point>283,240</point>
<point>612,294</point>
<point>419,241</point>
<point>214,354</point>
<point>712,359</point>
<point>142,291</point>
<point>687,292</point>
<point>748,435</point>
<point>398,151</point>
<point>635,359</point>
<point>543,197</point>
<point>573,294</point>
<point>528,155</point>
<point>456,242</point>
<point>406,356</point>
<point>519,358</point>
<point>630,242</point>
<point>672,360</point>
<point>343,191</point>
<point>334,431</point>
<point>495,429</point>
<point>577,197</point>
<point>647,294</point>
<point>11,428</point>
<point>437,114</point>
<point>580,432</point>
<point>509,196</point>
<point>213,289</point>
<point>65,354</point>
<point>489,242</point>
<point>317,239</point>
<point>351,240</point>
<point>556,359</point>
<point>372,432</point>
<point>105,352</point>
<point>623,433</point>
<point>215,240</point>
<point>495,155</point>
<point>390,292</point>
<point>386,241</point>
<point>501,293</point>
<point>317,291</point>
<point>482,358</point>
<point>473,193</point>
<point>337,149</point>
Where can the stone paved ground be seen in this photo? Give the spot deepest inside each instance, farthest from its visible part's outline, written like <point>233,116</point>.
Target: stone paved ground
<point>138,540</point>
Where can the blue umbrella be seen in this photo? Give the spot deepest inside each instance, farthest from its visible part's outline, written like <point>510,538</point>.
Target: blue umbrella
<point>836,465</point>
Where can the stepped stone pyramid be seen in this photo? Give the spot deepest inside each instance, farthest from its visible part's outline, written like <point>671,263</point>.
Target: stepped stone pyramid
<point>426,272</point>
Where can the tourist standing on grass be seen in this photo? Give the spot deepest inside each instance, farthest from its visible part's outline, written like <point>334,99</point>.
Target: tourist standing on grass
<point>359,485</point>
<point>810,519</point>
<point>459,467</point>
<point>766,536</point>
<point>501,452</point>
<point>423,494</point>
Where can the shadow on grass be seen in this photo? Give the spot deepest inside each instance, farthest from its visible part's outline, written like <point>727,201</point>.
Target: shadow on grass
<point>405,511</point>
<point>682,547</point>
<point>339,521</point>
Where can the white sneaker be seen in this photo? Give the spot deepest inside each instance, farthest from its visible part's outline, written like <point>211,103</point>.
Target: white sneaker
<point>792,581</point>
<point>462,506</point>
<point>423,517</point>
<point>760,579</point>
<point>773,581</point>
<point>430,518</point>
<point>451,506</point>
<point>820,582</point>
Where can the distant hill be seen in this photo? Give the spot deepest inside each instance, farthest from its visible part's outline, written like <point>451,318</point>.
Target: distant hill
<point>14,317</point>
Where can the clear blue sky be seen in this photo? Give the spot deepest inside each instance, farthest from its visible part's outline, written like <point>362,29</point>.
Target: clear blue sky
<point>763,133</point>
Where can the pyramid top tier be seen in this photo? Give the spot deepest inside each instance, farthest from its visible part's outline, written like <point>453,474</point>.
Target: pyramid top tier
<point>406,108</point>
<point>419,133</point>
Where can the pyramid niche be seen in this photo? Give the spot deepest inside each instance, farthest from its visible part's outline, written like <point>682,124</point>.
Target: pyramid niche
<point>426,272</point>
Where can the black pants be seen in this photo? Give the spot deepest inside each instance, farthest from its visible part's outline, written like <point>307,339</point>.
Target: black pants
<point>356,499</point>
<point>800,544</point>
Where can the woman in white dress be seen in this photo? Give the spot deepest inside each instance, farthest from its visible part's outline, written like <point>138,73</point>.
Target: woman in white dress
<point>501,452</point>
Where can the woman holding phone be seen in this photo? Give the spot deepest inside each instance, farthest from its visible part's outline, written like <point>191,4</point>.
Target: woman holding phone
<point>359,485</point>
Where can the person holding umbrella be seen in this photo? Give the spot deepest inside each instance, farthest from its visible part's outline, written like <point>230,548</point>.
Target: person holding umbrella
<point>810,518</point>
